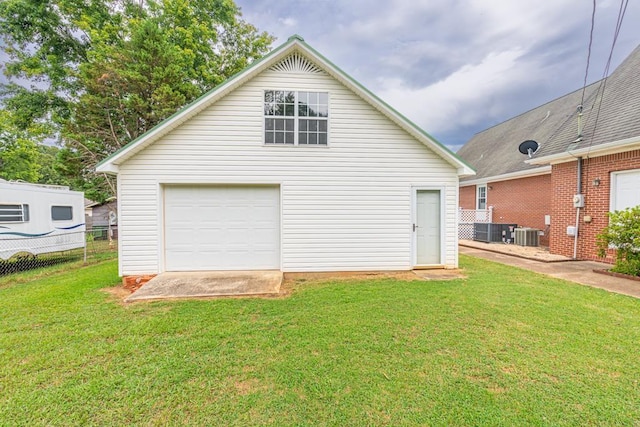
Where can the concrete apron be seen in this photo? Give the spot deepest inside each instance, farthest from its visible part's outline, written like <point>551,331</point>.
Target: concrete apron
<point>200,284</point>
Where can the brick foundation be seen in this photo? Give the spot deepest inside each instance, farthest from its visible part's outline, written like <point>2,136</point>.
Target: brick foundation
<point>133,283</point>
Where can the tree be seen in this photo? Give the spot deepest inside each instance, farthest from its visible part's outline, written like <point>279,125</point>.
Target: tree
<point>107,71</point>
<point>20,157</point>
<point>623,233</point>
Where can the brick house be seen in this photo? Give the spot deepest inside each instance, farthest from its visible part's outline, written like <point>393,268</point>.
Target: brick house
<point>592,152</point>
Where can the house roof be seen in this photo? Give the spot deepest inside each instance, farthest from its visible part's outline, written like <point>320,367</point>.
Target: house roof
<point>610,117</point>
<point>297,44</point>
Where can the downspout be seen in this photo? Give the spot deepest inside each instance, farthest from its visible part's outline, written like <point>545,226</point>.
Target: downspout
<point>579,188</point>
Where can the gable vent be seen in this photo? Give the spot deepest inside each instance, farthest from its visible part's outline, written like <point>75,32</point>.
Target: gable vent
<point>296,63</point>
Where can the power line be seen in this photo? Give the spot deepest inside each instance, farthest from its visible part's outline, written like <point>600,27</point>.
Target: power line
<point>605,75</point>
<point>586,71</point>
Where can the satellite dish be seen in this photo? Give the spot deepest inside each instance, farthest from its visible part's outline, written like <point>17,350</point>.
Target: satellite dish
<point>528,147</point>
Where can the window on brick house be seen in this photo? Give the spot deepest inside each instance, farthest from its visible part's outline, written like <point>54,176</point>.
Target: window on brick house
<point>481,197</point>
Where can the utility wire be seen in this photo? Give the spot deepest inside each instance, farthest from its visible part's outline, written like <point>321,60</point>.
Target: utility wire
<point>586,71</point>
<point>605,75</point>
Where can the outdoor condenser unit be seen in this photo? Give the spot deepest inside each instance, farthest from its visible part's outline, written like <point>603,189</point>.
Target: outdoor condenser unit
<point>526,236</point>
<point>493,233</point>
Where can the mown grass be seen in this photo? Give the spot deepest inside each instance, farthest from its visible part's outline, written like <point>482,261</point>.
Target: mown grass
<point>26,269</point>
<point>502,347</point>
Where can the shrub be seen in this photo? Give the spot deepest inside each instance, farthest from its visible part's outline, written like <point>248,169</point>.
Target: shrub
<point>623,234</point>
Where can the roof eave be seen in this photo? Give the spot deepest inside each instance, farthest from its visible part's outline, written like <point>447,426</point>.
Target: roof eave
<point>110,164</point>
<point>529,173</point>
<point>463,169</point>
<point>614,147</point>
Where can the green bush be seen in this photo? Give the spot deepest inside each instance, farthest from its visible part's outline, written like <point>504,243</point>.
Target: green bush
<point>623,233</point>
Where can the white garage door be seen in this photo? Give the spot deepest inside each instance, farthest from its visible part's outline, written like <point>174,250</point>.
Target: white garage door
<point>221,228</point>
<point>624,190</point>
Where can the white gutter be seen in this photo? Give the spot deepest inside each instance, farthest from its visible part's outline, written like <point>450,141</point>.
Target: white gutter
<point>595,151</point>
<point>544,170</point>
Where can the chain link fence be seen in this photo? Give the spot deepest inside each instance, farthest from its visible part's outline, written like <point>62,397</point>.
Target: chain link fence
<point>24,253</point>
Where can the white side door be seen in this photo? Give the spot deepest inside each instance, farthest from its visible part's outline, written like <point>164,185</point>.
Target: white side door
<point>427,228</point>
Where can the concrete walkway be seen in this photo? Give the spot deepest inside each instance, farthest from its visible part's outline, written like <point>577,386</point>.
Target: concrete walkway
<point>202,284</point>
<point>575,271</point>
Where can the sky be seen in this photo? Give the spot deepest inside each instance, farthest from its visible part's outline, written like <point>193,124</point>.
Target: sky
<point>457,67</point>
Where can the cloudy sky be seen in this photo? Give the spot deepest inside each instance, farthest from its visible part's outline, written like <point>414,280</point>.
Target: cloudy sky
<point>456,67</point>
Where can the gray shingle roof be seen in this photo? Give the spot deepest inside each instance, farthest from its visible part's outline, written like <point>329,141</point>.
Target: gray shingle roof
<point>553,125</point>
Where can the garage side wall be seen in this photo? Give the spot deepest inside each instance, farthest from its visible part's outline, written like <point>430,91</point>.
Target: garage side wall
<point>345,206</point>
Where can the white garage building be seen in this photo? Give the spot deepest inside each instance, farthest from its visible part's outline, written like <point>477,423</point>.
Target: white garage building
<point>290,165</point>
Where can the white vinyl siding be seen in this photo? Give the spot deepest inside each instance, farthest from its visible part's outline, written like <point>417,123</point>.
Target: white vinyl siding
<point>347,206</point>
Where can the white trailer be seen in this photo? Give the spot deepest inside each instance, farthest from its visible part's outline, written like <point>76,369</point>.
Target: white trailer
<point>37,219</point>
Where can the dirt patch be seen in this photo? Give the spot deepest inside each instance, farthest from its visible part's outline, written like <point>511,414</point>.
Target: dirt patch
<point>117,293</point>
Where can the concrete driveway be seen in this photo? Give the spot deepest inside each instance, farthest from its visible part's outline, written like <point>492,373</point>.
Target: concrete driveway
<point>575,271</point>
<point>202,284</point>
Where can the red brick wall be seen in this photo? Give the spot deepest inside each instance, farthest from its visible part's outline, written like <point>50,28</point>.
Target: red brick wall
<point>468,197</point>
<point>523,201</point>
<point>563,180</point>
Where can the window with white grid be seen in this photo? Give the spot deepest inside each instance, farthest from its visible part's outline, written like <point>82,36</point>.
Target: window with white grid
<point>296,117</point>
<point>14,213</point>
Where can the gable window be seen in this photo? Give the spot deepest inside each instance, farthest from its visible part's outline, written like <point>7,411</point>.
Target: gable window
<point>61,213</point>
<point>14,213</point>
<point>296,117</point>
<point>481,197</point>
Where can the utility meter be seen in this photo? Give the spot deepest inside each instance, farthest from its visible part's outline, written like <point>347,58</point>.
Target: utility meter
<point>578,201</point>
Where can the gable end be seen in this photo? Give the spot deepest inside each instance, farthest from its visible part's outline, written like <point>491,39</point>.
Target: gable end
<point>296,63</point>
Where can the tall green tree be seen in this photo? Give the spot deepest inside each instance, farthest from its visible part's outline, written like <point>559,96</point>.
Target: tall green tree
<point>106,71</point>
<point>20,155</point>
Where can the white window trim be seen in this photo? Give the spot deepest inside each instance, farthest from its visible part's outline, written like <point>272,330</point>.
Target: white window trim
<point>24,213</point>
<point>613,187</point>
<point>296,118</point>
<point>478,187</point>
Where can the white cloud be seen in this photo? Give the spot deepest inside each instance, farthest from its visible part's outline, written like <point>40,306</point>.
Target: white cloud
<point>462,98</point>
<point>288,21</point>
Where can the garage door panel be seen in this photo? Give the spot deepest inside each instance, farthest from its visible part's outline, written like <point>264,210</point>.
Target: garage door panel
<point>222,228</point>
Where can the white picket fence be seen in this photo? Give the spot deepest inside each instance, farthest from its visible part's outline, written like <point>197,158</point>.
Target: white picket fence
<point>467,217</point>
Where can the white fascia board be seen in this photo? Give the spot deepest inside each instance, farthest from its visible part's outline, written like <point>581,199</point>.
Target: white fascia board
<point>544,170</point>
<point>597,151</point>
<point>109,168</point>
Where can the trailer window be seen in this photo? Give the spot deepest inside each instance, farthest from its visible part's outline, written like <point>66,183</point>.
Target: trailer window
<point>14,213</point>
<point>61,213</point>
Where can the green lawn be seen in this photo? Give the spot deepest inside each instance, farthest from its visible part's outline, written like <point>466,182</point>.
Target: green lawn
<point>502,347</point>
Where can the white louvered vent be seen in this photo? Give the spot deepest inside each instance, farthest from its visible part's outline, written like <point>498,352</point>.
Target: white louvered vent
<point>296,63</point>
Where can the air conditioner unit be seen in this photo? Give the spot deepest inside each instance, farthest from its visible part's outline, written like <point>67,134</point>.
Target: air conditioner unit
<point>493,233</point>
<point>526,236</point>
